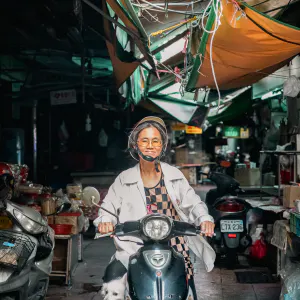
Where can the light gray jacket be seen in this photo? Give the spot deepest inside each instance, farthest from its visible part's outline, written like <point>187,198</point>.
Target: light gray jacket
<point>126,197</point>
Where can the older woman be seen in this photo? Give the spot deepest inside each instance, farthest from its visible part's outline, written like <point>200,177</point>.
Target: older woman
<point>153,187</point>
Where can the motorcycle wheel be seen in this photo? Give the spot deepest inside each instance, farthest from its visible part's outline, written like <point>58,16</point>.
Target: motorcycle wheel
<point>231,258</point>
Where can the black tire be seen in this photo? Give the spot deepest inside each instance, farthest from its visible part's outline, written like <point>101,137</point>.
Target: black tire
<point>231,258</point>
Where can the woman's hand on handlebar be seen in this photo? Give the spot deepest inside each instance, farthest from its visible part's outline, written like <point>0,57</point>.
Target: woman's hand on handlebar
<point>208,228</point>
<point>105,227</point>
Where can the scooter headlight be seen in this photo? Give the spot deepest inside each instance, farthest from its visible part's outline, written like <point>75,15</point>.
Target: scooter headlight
<point>157,227</point>
<point>29,225</point>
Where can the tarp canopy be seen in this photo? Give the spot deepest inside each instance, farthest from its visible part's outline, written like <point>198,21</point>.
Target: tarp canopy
<point>194,113</point>
<point>247,46</point>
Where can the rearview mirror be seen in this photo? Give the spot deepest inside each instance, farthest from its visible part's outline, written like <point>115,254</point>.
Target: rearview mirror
<point>90,196</point>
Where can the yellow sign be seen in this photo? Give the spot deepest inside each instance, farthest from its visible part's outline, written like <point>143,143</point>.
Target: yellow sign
<point>5,223</point>
<point>178,127</point>
<point>193,130</point>
<point>244,133</point>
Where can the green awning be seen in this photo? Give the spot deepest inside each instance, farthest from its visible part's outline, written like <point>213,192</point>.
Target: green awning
<point>186,112</point>
<point>238,106</point>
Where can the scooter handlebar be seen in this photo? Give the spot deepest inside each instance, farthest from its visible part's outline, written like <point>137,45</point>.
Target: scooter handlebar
<point>201,232</point>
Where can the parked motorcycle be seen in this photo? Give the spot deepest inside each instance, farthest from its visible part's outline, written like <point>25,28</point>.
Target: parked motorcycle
<point>229,212</point>
<point>163,269</point>
<point>26,248</point>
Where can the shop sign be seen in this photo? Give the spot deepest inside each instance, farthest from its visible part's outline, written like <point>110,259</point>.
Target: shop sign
<point>244,133</point>
<point>231,132</point>
<point>178,127</point>
<point>63,97</point>
<point>193,130</point>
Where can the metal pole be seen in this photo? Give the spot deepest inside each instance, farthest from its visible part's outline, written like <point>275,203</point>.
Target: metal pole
<point>83,75</point>
<point>34,135</point>
<point>295,179</point>
<point>279,178</point>
<point>261,175</point>
<point>50,136</point>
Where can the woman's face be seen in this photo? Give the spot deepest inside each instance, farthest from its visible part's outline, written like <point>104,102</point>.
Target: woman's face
<point>150,142</point>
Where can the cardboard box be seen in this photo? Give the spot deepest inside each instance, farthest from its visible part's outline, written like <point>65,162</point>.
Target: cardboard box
<point>50,219</point>
<point>184,156</point>
<point>70,219</point>
<point>247,177</point>
<point>290,194</point>
<point>190,174</point>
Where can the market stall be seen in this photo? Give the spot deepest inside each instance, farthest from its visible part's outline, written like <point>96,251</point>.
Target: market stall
<point>68,225</point>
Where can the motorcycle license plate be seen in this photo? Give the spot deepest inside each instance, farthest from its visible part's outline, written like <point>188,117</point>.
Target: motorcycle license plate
<point>5,222</point>
<point>232,226</point>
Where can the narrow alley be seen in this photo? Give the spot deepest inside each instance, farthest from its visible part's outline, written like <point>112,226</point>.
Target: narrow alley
<point>220,284</point>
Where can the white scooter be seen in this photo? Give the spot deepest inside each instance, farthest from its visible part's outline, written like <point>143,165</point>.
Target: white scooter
<point>26,253</point>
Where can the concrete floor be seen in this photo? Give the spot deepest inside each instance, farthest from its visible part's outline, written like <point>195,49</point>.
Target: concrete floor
<point>220,284</point>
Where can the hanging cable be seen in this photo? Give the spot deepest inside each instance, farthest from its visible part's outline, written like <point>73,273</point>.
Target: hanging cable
<point>162,8</point>
<point>218,9</point>
<point>159,32</point>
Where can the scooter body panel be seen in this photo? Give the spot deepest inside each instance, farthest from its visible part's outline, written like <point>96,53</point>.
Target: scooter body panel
<point>32,282</point>
<point>157,272</point>
<point>227,240</point>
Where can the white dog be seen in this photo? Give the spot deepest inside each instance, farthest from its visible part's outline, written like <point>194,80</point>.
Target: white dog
<point>115,289</point>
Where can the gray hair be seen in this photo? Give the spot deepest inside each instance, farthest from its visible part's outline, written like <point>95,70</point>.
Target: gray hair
<point>133,137</point>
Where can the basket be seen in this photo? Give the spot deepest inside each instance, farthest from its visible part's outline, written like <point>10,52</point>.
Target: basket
<point>15,249</point>
<point>61,229</point>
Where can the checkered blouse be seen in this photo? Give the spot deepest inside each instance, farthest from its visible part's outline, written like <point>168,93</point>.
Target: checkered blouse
<point>158,201</point>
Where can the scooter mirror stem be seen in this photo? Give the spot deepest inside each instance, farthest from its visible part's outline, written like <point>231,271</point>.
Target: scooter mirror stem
<point>116,216</point>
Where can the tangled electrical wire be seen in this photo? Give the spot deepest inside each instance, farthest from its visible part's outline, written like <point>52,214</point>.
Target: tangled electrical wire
<point>197,20</point>
<point>164,7</point>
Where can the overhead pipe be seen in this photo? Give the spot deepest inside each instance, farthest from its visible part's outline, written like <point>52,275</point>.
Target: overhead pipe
<point>82,57</point>
<point>34,136</point>
<point>136,19</point>
<point>109,18</point>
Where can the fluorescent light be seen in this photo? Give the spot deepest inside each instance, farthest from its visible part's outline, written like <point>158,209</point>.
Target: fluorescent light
<point>271,94</point>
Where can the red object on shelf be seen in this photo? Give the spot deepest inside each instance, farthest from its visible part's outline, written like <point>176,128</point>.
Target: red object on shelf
<point>259,249</point>
<point>61,229</point>
<point>286,177</point>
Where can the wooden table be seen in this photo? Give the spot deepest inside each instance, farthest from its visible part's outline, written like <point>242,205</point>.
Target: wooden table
<point>65,256</point>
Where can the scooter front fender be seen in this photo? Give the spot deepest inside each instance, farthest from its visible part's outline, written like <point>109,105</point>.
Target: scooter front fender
<point>157,272</point>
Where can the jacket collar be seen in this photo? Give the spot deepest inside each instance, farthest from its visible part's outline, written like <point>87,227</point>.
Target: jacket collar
<point>133,175</point>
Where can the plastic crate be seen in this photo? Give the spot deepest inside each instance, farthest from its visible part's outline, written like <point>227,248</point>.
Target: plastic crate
<point>295,223</point>
<point>15,249</point>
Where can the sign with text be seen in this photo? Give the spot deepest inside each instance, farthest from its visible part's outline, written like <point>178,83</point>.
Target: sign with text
<point>178,127</point>
<point>231,132</point>
<point>63,97</point>
<point>244,133</point>
<point>193,130</point>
